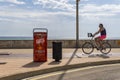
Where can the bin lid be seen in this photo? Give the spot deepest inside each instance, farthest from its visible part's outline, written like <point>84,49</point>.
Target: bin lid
<point>40,30</point>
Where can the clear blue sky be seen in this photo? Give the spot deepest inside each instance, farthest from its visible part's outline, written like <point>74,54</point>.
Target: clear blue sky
<point>19,17</point>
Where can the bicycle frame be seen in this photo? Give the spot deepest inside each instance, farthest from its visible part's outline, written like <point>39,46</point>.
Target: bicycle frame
<point>92,41</point>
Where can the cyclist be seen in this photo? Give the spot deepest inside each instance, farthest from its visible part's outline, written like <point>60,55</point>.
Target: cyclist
<point>102,31</point>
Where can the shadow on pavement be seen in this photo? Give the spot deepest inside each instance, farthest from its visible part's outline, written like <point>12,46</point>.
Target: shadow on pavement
<point>33,64</point>
<point>2,63</point>
<point>62,75</point>
<point>74,54</point>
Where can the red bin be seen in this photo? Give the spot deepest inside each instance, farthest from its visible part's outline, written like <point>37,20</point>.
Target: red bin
<point>40,44</point>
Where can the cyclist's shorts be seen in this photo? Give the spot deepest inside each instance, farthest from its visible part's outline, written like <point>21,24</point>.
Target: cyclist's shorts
<point>102,37</point>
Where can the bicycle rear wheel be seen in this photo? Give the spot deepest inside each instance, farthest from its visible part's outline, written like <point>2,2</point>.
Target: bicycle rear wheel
<point>106,48</point>
<point>87,48</point>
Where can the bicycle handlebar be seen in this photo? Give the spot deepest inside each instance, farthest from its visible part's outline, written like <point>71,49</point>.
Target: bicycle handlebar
<point>90,35</point>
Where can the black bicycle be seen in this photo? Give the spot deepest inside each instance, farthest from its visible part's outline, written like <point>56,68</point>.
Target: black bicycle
<point>88,47</point>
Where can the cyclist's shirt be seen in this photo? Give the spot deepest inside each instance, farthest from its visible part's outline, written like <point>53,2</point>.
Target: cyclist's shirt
<point>103,32</point>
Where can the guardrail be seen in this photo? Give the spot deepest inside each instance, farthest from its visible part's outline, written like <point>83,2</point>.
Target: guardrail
<point>21,44</point>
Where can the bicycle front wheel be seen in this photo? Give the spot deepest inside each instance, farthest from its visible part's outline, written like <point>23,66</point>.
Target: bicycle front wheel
<point>87,48</point>
<point>106,48</point>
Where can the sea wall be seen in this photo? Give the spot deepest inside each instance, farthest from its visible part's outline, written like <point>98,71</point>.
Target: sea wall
<point>21,44</point>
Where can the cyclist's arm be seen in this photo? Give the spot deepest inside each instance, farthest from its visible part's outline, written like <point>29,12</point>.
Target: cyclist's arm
<point>97,32</point>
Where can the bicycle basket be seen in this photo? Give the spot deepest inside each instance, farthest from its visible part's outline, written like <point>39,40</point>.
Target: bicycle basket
<point>90,35</point>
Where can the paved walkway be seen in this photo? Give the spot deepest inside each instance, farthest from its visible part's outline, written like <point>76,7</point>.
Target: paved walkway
<point>15,61</point>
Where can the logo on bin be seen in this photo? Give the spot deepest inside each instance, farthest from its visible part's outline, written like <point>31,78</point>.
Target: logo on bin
<point>40,41</point>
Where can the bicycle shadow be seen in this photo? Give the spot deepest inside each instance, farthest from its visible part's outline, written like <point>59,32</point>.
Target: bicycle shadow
<point>99,55</point>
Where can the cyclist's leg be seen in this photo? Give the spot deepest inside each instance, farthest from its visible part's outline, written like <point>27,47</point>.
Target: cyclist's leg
<point>101,40</point>
<point>97,41</point>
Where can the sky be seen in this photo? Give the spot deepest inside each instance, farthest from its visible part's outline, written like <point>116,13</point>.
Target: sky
<point>19,17</point>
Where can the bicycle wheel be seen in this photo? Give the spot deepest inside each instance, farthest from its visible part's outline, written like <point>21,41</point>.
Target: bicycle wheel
<point>87,48</point>
<point>106,48</point>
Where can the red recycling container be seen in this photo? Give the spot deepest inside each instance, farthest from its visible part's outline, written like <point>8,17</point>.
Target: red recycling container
<point>40,44</point>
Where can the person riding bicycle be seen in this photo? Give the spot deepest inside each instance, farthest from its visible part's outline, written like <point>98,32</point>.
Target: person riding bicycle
<point>102,31</point>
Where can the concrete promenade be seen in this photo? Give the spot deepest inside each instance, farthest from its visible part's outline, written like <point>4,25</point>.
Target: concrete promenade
<point>18,63</point>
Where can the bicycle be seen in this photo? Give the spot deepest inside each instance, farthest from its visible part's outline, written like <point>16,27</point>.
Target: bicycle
<point>88,47</point>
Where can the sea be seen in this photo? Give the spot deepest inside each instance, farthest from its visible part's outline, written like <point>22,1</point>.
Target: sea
<point>16,38</point>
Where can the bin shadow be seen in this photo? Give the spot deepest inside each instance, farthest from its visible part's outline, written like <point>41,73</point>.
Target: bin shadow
<point>54,63</point>
<point>33,64</point>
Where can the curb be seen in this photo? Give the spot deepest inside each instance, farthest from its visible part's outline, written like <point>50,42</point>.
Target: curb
<point>54,69</point>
